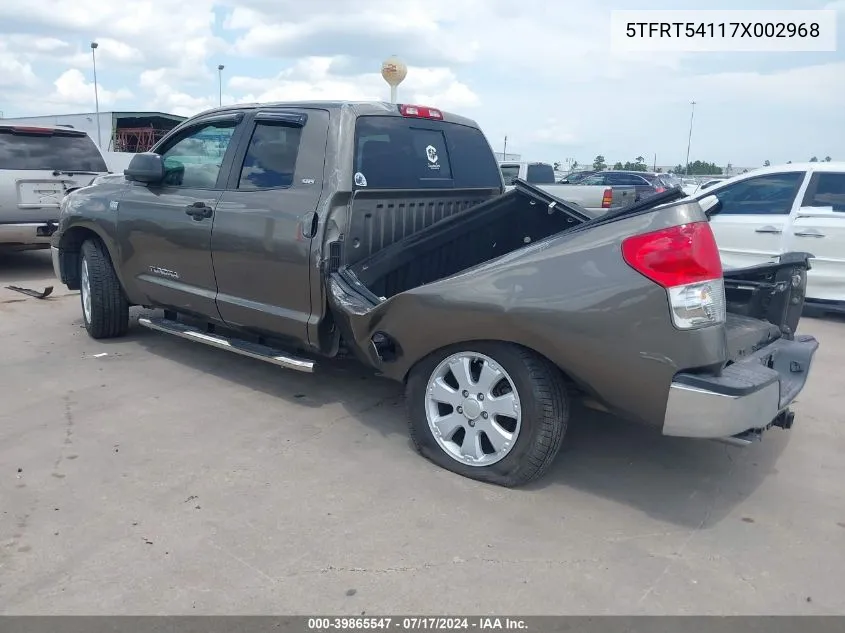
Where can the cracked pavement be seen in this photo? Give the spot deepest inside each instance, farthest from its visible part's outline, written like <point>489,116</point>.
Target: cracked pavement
<point>168,478</point>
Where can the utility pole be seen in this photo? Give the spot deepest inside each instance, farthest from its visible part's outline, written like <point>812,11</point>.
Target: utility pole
<point>220,68</point>
<point>689,138</point>
<point>96,94</point>
<point>505,149</point>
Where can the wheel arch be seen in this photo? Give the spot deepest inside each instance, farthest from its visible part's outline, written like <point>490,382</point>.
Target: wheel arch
<point>410,364</point>
<point>70,250</point>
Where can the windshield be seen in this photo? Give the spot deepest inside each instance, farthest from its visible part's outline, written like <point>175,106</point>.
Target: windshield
<point>399,153</point>
<point>49,150</point>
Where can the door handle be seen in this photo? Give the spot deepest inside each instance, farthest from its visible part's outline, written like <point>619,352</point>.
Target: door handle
<point>809,233</point>
<point>198,210</point>
<point>768,229</point>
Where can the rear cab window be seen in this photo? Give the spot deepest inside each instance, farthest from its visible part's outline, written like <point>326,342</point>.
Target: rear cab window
<point>394,152</point>
<point>45,149</point>
<point>540,174</point>
<point>510,173</point>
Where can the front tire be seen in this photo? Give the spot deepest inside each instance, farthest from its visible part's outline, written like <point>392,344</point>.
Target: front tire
<point>105,310</point>
<point>494,412</point>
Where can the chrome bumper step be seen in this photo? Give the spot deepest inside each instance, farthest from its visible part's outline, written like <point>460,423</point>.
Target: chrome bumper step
<point>236,346</point>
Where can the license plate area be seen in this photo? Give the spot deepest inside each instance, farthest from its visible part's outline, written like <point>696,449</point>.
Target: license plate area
<point>41,194</point>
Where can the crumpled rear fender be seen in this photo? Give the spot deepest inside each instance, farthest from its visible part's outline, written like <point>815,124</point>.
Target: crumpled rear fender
<point>571,298</point>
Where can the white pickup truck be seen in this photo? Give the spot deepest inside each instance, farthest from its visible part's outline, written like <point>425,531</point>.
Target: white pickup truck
<point>773,210</point>
<point>596,199</point>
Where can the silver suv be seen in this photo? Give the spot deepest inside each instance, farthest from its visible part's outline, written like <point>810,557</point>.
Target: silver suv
<point>38,167</point>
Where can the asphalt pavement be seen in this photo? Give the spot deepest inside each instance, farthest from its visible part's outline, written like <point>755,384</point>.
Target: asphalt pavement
<point>151,475</point>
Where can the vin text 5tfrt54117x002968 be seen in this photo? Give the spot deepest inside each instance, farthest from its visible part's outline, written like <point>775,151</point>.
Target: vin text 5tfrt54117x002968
<point>294,232</point>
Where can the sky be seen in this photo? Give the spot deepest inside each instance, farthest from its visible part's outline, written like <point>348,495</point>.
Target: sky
<point>540,72</point>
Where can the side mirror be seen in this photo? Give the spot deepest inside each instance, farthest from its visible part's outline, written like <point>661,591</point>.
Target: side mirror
<point>146,167</point>
<point>710,205</point>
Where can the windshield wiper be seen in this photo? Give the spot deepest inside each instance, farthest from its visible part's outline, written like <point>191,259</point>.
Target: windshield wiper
<point>61,172</point>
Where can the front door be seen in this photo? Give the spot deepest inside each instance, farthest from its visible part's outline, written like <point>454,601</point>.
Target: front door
<point>165,229</point>
<point>753,217</point>
<point>819,228</point>
<point>265,221</point>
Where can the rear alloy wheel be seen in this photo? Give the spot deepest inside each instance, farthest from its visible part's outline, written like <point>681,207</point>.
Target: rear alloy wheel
<point>495,412</point>
<point>105,310</point>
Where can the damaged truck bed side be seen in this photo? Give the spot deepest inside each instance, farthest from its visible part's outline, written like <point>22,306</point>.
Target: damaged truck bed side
<point>386,231</point>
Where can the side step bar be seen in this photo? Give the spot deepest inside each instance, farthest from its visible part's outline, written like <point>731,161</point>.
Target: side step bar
<point>237,346</point>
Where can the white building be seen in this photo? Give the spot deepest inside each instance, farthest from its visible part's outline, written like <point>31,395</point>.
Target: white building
<point>117,131</point>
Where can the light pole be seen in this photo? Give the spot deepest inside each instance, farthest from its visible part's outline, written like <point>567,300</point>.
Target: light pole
<point>96,94</point>
<point>393,71</point>
<point>220,68</point>
<point>689,138</point>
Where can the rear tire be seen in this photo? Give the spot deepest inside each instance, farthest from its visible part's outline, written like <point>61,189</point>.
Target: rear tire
<point>520,420</point>
<point>105,310</point>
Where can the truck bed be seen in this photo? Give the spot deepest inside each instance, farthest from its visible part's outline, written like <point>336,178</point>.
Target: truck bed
<point>456,242</point>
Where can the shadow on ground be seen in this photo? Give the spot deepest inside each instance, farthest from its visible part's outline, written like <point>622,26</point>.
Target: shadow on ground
<point>20,267</point>
<point>690,483</point>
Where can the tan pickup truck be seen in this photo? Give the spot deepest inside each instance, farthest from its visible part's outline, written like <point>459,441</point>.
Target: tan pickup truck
<point>596,199</point>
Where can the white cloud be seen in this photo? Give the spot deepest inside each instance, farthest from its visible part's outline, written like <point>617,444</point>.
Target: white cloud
<point>72,88</point>
<point>15,73</point>
<point>312,78</point>
<point>541,73</point>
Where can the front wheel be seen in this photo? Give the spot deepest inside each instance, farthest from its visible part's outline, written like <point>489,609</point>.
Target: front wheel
<point>494,412</point>
<point>105,310</point>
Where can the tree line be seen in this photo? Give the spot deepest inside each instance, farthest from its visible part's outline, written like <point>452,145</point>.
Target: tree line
<point>695,168</point>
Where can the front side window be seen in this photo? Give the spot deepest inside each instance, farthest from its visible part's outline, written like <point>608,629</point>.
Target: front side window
<point>827,189</point>
<point>270,160</point>
<point>595,179</point>
<point>772,194</point>
<point>194,160</point>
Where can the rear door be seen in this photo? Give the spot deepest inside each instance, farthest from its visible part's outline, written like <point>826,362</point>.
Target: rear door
<point>818,227</point>
<point>38,166</point>
<point>265,221</point>
<point>754,216</point>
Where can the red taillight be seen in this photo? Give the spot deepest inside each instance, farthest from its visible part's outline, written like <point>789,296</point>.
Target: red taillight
<point>659,189</point>
<point>420,112</point>
<point>675,256</point>
<point>607,198</point>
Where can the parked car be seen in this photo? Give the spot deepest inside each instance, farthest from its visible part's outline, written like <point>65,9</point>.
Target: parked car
<point>534,173</point>
<point>38,166</point>
<point>645,183</point>
<point>594,200</point>
<point>575,177</point>
<point>291,232</point>
<point>773,210</point>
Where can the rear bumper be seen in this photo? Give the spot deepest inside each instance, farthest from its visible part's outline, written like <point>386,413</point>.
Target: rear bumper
<point>748,396</point>
<point>27,234</point>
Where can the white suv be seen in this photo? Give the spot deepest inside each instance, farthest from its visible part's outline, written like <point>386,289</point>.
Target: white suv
<point>38,167</point>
